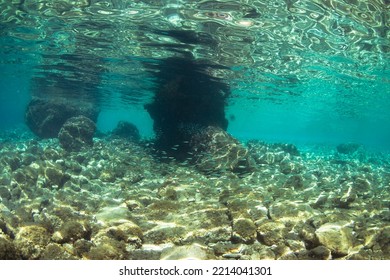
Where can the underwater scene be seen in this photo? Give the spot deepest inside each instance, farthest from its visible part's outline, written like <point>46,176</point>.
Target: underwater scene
<point>181,129</point>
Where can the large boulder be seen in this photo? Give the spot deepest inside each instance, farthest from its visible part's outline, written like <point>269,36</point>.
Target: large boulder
<point>337,237</point>
<point>348,148</point>
<point>45,117</point>
<point>215,151</point>
<point>76,133</point>
<point>126,130</point>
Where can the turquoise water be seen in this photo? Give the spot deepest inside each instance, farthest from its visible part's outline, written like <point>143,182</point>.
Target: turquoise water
<point>302,88</point>
<point>299,71</point>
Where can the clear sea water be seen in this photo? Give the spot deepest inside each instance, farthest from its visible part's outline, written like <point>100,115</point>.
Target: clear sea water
<point>312,73</point>
<point>300,71</point>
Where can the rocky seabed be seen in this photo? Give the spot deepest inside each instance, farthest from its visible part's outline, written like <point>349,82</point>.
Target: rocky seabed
<point>115,201</point>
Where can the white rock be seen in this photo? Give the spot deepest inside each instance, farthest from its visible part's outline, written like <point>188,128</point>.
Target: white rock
<point>113,215</point>
<point>188,252</point>
<point>337,237</point>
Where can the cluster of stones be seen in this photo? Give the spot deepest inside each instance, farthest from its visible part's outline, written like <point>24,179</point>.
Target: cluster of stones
<point>73,124</point>
<point>49,197</point>
<point>115,201</point>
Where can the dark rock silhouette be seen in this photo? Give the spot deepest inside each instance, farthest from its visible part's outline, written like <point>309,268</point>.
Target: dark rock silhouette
<point>126,130</point>
<point>45,117</point>
<point>76,133</point>
<point>348,148</point>
<point>186,97</point>
<point>188,111</point>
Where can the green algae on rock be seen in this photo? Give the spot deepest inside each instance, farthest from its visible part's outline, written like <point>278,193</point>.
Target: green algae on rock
<point>56,252</point>
<point>7,248</point>
<point>244,230</point>
<point>31,241</point>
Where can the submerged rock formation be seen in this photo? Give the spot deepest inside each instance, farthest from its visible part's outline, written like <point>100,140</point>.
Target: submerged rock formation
<point>347,148</point>
<point>77,132</point>
<point>126,130</point>
<point>45,117</point>
<point>186,98</point>
<point>188,111</point>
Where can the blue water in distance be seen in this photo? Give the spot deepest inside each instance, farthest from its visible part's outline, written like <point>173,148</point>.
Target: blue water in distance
<point>14,88</point>
<point>297,120</point>
<point>319,117</point>
<point>291,121</point>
